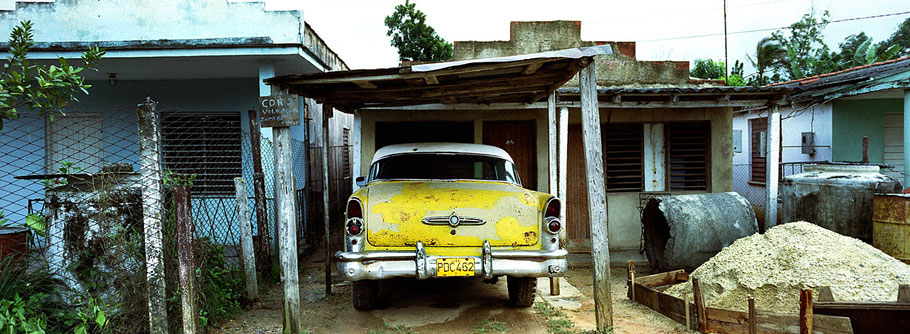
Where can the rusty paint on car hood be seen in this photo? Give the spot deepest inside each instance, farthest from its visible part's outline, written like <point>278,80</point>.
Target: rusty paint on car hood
<point>395,210</point>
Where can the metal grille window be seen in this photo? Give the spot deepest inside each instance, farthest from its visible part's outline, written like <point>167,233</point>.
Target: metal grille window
<point>205,144</point>
<point>687,155</point>
<point>759,130</point>
<point>623,147</point>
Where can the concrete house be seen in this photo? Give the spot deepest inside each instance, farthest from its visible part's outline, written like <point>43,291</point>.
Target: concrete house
<point>826,122</point>
<point>202,61</point>
<point>663,132</point>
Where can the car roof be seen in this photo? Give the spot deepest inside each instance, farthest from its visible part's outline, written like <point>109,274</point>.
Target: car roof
<point>456,148</point>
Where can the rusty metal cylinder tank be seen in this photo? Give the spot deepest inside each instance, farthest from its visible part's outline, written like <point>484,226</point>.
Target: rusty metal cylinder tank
<point>684,231</point>
<point>891,225</point>
<point>836,197</point>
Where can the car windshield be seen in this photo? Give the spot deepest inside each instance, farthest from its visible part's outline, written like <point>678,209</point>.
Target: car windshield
<point>444,167</point>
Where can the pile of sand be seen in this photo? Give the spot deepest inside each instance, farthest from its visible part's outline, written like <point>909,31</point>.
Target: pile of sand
<point>774,266</point>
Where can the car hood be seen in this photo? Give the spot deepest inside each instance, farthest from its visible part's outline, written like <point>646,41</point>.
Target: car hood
<point>396,211</point>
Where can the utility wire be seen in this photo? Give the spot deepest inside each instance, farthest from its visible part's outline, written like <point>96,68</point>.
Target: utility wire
<point>769,29</point>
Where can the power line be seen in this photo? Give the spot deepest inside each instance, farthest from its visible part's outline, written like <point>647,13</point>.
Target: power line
<point>770,29</point>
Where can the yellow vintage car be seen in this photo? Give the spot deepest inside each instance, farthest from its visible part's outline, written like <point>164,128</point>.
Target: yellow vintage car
<point>437,210</point>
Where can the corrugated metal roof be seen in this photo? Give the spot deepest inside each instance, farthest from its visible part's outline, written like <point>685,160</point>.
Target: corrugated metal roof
<point>685,90</point>
<point>515,79</point>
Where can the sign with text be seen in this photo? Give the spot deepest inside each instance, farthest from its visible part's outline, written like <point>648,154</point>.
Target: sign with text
<point>278,111</point>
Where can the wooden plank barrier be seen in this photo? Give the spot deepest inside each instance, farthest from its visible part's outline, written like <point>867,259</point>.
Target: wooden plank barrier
<point>648,290</point>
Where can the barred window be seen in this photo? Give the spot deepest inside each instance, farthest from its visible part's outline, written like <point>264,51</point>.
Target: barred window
<point>623,150</point>
<point>687,155</point>
<point>205,144</point>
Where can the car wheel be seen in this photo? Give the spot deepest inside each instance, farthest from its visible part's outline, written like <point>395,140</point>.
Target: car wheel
<point>522,290</point>
<point>365,294</point>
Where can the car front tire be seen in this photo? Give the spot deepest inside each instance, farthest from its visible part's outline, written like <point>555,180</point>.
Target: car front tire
<point>522,290</point>
<point>365,294</point>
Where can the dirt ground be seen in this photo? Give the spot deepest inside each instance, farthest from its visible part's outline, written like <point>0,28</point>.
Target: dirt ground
<point>450,306</point>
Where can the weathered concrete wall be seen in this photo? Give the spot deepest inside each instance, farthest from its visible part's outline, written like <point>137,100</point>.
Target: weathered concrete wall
<point>621,68</point>
<point>124,20</point>
<point>838,198</point>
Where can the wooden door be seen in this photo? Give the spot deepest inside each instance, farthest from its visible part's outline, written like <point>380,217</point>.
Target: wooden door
<point>894,144</point>
<point>578,227</point>
<point>519,140</point>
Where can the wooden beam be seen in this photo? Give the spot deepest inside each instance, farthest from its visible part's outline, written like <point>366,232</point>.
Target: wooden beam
<point>263,245</point>
<point>753,322</point>
<point>563,171</point>
<point>597,206</point>
<point>772,168</point>
<point>247,257</point>
<point>805,311</point>
<point>700,308</point>
<point>286,214</point>
<point>617,99</point>
<point>532,68</point>
<point>187,271</point>
<point>326,114</point>
<point>408,74</point>
<point>431,80</point>
<point>448,100</point>
<point>365,84</point>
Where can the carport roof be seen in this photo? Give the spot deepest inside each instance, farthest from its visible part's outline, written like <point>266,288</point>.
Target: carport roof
<point>517,79</point>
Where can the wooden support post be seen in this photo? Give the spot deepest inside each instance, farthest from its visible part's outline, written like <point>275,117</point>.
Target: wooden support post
<point>263,245</point>
<point>597,199</point>
<point>700,309</point>
<point>552,181</point>
<point>326,114</point>
<point>753,322</point>
<point>630,279</point>
<point>152,212</point>
<point>805,311</point>
<point>286,219</point>
<point>865,149</point>
<point>772,169</point>
<point>246,239</point>
<point>686,308</point>
<point>563,171</point>
<point>185,231</point>
<point>903,293</point>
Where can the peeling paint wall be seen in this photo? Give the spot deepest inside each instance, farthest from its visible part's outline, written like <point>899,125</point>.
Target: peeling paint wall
<point>122,20</point>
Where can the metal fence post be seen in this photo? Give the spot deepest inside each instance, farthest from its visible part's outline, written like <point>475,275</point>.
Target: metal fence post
<point>185,232</point>
<point>150,165</point>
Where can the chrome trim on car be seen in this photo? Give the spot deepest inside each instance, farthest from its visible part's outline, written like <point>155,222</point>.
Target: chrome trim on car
<point>453,220</point>
<point>415,263</point>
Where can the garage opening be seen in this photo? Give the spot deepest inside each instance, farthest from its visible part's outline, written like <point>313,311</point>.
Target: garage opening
<point>390,133</point>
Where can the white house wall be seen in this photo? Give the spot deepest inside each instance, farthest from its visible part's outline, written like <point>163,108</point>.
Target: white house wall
<point>794,122</point>
<point>126,20</point>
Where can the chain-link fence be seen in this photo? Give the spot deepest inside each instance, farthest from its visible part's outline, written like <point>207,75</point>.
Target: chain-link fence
<point>89,195</point>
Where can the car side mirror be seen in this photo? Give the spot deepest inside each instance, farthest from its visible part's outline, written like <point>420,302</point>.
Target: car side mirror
<point>361,181</point>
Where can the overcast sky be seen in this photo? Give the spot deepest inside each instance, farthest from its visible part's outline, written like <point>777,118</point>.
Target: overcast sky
<point>354,28</point>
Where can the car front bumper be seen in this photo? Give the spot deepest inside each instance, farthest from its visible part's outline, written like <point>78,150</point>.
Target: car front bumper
<point>373,265</point>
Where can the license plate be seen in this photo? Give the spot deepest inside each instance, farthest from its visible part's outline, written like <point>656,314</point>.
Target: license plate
<point>455,266</point>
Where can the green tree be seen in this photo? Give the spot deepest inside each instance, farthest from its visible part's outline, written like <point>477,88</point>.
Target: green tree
<point>415,40</point>
<point>806,51</point>
<point>45,89</point>
<point>708,69</point>
<point>769,55</point>
<point>900,38</point>
<point>859,49</point>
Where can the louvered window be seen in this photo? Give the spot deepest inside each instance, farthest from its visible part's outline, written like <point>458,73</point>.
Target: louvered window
<point>623,154</point>
<point>687,155</point>
<point>759,130</point>
<point>205,144</point>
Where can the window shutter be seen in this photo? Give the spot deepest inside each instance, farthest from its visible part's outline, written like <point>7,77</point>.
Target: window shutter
<point>205,144</point>
<point>623,151</point>
<point>687,156</point>
<point>759,130</point>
